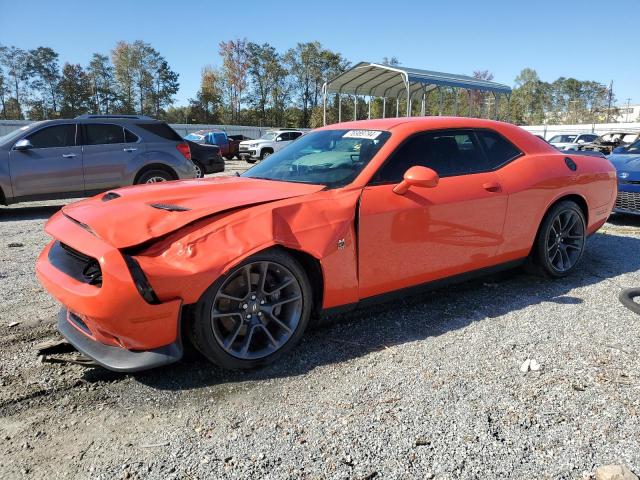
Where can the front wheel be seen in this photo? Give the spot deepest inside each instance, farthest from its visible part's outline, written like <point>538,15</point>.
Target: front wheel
<point>254,314</point>
<point>561,240</point>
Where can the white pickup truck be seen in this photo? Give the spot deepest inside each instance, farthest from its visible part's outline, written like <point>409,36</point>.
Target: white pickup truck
<point>270,142</point>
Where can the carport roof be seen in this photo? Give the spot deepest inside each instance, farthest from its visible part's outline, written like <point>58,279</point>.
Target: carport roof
<point>380,80</point>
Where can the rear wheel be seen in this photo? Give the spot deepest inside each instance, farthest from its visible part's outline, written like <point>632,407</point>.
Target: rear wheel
<point>254,314</point>
<point>561,240</point>
<point>154,176</point>
<point>229,157</point>
<point>199,169</point>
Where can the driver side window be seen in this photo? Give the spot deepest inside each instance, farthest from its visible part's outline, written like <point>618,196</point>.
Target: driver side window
<point>448,152</point>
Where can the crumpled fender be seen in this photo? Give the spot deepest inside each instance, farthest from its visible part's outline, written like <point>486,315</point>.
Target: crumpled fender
<point>322,225</point>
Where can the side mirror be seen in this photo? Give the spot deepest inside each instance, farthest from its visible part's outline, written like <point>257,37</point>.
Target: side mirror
<point>23,144</point>
<point>279,139</point>
<point>619,150</point>
<point>417,177</point>
<point>581,141</point>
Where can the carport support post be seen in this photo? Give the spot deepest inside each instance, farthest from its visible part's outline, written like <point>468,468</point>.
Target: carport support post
<point>369,112</point>
<point>495,99</point>
<point>398,106</point>
<point>339,107</point>
<point>384,106</point>
<point>355,105</point>
<point>324,104</point>
<point>408,97</point>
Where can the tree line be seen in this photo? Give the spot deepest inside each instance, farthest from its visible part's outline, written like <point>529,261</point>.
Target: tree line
<point>134,79</point>
<point>256,84</point>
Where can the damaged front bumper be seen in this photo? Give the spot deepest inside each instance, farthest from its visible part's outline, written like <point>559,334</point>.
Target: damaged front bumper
<point>107,315</point>
<point>114,358</point>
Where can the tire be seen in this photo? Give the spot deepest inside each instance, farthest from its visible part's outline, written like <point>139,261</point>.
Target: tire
<point>199,169</point>
<point>561,240</point>
<point>241,328</point>
<point>154,176</point>
<point>265,153</point>
<point>229,157</point>
<point>251,160</point>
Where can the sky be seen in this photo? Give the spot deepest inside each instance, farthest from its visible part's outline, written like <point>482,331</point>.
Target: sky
<point>587,39</point>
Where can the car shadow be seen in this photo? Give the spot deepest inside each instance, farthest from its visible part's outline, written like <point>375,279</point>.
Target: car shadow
<point>622,219</point>
<point>407,320</point>
<point>15,214</point>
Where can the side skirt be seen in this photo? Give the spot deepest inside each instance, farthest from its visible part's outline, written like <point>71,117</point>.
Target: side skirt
<point>424,287</point>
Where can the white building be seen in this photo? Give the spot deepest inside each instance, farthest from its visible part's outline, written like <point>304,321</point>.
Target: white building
<point>628,114</point>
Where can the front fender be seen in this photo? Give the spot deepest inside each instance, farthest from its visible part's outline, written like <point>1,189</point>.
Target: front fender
<point>186,263</point>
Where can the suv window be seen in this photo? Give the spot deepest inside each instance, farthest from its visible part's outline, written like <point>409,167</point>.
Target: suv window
<point>448,152</point>
<point>103,134</point>
<point>161,129</point>
<point>295,135</point>
<point>54,136</point>
<point>499,150</point>
<point>130,137</point>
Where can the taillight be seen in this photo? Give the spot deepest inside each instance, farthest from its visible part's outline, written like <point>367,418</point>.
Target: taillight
<point>183,148</point>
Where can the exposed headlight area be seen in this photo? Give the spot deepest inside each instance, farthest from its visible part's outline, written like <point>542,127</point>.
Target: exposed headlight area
<point>140,281</point>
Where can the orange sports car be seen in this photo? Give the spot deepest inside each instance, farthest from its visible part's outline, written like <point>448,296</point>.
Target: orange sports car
<point>345,215</point>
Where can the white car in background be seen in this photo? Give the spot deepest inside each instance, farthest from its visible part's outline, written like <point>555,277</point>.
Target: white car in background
<point>270,142</point>
<point>571,141</point>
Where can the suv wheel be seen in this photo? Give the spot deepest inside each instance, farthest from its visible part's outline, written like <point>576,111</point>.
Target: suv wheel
<point>154,176</point>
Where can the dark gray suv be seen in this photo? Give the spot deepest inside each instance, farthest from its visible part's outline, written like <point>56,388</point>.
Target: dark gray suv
<point>87,155</point>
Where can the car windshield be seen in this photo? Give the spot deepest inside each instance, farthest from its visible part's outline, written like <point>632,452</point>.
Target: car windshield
<point>268,136</point>
<point>563,139</point>
<point>327,157</point>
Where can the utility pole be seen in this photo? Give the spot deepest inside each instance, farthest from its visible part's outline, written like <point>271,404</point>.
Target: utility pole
<point>610,97</point>
<point>627,115</point>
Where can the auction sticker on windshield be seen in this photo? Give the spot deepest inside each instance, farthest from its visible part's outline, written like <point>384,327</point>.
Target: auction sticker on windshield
<point>367,134</point>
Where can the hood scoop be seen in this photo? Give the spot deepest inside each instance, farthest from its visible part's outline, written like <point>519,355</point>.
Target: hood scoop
<point>110,196</point>
<point>169,208</point>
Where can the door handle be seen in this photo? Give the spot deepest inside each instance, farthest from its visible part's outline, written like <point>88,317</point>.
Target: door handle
<point>492,187</point>
<point>69,155</point>
<point>129,149</point>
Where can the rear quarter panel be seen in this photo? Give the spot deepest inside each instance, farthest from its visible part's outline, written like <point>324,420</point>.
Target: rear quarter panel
<point>535,182</point>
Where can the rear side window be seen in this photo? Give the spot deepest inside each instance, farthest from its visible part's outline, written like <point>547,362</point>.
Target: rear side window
<point>130,137</point>
<point>161,129</point>
<point>295,135</point>
<point>499,151</point>
<point>54,136</point>
<point>103,134</point>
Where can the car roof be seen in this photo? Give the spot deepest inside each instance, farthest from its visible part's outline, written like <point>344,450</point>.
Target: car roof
<point>524,140</point>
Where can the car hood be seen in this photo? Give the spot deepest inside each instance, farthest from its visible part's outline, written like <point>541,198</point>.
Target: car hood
<point>134,215</point>
<point>625,161</point>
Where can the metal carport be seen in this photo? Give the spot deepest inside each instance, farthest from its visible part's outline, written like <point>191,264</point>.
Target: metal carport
<point>386,81</point>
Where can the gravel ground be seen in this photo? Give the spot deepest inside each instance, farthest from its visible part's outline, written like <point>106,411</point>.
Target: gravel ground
<point>428,387</point>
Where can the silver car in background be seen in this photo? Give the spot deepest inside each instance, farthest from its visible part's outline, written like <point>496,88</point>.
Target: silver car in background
<point>571,141</point>
<point>88,155</point>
